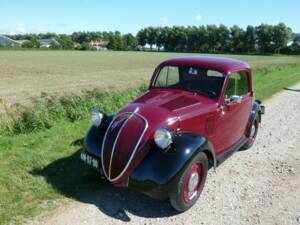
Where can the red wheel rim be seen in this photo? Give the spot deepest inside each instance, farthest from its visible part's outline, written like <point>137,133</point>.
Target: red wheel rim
<point>193,182</point>
<point>253,132</point>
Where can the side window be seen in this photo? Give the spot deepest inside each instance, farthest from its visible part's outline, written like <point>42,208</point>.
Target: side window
<point>238,84</point>
<point>168,76</point>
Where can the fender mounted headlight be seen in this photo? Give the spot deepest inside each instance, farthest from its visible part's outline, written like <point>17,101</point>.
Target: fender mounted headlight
<point>163,138</point>
<point>97,118</point>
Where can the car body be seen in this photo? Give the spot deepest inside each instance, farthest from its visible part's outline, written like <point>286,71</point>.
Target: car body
<point>196,112</point>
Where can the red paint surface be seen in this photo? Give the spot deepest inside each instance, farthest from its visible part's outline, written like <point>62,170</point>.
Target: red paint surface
<point>183,111</point>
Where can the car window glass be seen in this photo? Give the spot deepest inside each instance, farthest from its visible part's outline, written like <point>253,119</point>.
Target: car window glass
<point>168,76</point>
<point>238,84</point>
<point>191,78</point>
<point>213,73</point>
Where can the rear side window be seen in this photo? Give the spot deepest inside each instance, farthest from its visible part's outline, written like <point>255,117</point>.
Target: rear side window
<point>238,84</point>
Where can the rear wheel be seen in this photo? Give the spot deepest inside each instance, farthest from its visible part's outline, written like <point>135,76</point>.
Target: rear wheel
<point>189,185</point>
<point>253,134</point>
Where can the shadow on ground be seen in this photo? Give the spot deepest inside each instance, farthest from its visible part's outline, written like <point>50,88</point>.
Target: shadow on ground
<point>291,89</point>
<point>74,180</point>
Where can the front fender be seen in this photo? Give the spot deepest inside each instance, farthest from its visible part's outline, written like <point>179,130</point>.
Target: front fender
<point>94,138</point>
<point>158,169</point>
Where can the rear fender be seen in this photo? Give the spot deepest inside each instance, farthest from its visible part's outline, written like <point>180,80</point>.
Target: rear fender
<point>257,109</point>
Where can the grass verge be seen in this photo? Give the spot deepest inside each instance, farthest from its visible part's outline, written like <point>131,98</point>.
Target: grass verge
<point>40,165</point>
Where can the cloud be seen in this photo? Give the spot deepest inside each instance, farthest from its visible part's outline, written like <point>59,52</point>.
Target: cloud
<point>164,19</point>
<point>198,18</point>
<point>21,29</point>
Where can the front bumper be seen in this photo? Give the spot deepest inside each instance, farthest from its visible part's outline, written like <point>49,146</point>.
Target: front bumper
<point>152,189</point>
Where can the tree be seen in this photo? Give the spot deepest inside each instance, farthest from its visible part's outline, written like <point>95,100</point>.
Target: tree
<point>250,39</point>
<point>264,34</point>
<point>212,38</point>
<point>237,35</point>
<point>142,37</point>
<point>66,41</point>
<point>223,38</point>
<point>281,35</point>
<point>130,41</point>
<point>116,41</point>
<point>152,34</point>
<point>162,34</point>
<point>34,39</point>
<point>54,45</point>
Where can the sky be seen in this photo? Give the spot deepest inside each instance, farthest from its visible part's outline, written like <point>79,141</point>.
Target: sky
<point>129,16</point>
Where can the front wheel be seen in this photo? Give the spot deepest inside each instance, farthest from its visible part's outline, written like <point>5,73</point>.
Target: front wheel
<point>189,185</point>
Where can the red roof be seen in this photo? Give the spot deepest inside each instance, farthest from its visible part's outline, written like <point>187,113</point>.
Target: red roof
<point>225,65</point>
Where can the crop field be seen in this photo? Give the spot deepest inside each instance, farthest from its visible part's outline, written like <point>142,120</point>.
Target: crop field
<point>24,74</point>
<point>41,168</point>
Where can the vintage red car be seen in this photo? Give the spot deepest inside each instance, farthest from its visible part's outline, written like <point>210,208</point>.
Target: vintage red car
<point>196,113</point>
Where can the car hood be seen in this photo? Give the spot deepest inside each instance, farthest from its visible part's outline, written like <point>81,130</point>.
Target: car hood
<point>129,137</point>
<point>177,101</point>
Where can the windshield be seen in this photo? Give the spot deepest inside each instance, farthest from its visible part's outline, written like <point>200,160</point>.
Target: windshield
<point>195,79</point>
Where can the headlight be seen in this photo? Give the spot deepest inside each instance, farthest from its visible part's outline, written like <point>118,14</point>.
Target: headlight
<point>163,138</point>
<point>97,118</point>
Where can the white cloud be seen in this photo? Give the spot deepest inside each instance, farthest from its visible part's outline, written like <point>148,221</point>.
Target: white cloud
<point>21,29</point>
<point>198,18</point>
<point>164,19</point>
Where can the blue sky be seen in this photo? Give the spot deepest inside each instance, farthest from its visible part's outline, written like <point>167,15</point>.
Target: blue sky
<point>66,16</point>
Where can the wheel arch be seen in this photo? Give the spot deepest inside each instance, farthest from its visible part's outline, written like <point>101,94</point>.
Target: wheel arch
<point>255,111</point>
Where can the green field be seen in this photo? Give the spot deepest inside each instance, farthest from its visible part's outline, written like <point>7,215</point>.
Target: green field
<point>40,167</point>
<point>24,74</point>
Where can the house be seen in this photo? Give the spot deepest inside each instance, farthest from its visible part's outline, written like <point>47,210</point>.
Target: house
<point>24,42</point>
<point>99,45</point>
<point>47,43</point>
<point>5,41</point>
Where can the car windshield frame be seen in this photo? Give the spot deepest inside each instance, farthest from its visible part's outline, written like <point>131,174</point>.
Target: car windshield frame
<point>215,96</point>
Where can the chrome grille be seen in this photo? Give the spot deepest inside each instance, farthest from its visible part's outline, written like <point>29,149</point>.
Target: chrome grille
<point>130,114</point>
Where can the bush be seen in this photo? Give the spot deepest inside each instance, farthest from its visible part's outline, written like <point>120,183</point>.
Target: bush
<point>49,110</point>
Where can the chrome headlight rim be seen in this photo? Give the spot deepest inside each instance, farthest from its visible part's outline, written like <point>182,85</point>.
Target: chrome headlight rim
<point>163,138</point>
<point>97,118</point>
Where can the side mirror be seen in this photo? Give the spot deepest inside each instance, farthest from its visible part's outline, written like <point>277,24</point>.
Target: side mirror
<point>234,99</point>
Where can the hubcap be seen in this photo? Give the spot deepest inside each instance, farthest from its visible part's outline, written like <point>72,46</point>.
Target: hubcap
<point>253,128</point>
<point>193,182</point>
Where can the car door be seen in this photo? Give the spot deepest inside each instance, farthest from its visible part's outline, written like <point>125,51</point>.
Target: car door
<point>234,111</point>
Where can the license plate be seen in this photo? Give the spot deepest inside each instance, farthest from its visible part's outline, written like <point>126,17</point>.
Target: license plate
<point>90,160</point>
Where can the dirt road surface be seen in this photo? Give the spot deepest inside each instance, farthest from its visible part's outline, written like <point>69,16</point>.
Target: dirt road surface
<point>258,186</point>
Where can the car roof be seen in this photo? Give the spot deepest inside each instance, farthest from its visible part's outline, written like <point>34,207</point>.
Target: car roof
<point>225,65</point>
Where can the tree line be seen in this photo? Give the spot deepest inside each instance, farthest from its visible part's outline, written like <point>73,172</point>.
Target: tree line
<point>262,39</point>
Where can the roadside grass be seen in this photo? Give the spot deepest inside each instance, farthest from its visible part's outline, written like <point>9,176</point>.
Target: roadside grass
<point>39,162</point>
<point>269,81</point>
<point>50,110</point>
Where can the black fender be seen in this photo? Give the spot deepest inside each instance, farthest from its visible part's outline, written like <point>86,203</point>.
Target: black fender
<point>154,175</point>
<point>93,140</point>
<point>257,109</point>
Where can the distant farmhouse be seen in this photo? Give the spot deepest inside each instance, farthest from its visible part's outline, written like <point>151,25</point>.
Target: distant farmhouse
<point>44,43</point>
<point>5,41</point>
<point>99,45</point>
<point>47,43</point>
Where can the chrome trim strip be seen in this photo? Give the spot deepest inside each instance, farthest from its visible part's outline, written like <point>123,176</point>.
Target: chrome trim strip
<point>114,145</point>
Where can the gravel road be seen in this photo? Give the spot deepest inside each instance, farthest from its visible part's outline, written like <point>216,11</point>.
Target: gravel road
<point>258,186</point>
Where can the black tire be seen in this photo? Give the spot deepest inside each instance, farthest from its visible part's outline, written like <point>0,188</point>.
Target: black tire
<point>177,193</point>
<point>251,139</point>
